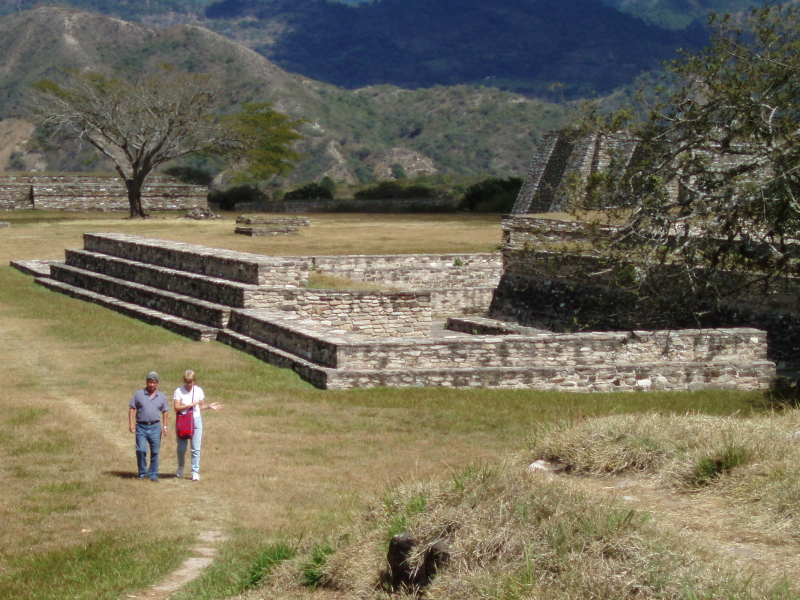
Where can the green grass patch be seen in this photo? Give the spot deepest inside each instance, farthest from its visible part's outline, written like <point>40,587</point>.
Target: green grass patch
<point>708,468</point>
<point>312,574</point>
<point>104,567</point>
<point>267,560</point>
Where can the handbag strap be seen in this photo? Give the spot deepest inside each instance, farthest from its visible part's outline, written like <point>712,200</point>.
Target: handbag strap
<point>190,410</point>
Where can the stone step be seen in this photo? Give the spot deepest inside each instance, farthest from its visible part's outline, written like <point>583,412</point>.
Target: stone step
<point>286,333</point>
<point>190,309</point>
<point>243,267</point>
<point>37,268</point>
<point>194,331</point>
<point>212,289</point>
<point>315,374</point>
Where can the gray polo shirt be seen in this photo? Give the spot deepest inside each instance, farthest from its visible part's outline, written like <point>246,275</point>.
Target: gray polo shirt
<point>149,409</point>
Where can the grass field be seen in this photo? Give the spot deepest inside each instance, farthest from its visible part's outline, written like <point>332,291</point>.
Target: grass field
<point>283,461</point>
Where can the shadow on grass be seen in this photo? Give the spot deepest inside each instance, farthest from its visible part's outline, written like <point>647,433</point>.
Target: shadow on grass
<point>134,475</point>
<point>785,394</point>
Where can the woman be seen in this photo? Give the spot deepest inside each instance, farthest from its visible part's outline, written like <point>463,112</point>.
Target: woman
<point>191,396</point>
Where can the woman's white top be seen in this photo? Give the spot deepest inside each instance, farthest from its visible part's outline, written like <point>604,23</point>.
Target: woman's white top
<point>185,397</point>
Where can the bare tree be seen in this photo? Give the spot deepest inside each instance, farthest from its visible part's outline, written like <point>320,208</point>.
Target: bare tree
<point>137,125</point>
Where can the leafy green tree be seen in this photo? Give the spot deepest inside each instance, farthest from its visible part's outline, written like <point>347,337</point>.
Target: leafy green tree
<point>710,208</point>
<point>265,140</point>
<point>392,190</point>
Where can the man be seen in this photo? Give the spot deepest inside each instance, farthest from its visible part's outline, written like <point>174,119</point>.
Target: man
<point>148,413</point>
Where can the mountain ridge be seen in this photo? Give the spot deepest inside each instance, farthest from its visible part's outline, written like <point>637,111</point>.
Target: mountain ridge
<point>462,130</point>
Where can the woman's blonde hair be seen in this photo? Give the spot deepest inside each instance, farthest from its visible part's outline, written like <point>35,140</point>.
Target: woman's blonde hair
<point>188,375</point>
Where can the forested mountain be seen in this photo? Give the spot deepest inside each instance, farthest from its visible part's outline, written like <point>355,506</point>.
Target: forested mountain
<point>350,134</point>
<point>473,47</point>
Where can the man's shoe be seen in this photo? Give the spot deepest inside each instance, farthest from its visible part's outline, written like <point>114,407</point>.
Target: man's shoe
<point>180,472</point>
<point>195,476</point>
<point>154,479</point>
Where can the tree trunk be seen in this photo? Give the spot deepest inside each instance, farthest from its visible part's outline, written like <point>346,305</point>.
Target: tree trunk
<point>135,197</point>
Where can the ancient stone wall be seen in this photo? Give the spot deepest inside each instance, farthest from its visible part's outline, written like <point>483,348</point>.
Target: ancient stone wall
<point>91,193</point>
<point>416,271</point>
<point>379,314</point>
<point>582,349</point>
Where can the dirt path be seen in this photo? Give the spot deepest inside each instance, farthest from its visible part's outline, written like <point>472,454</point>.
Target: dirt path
<point>203,554</point>
<point>708,521</point>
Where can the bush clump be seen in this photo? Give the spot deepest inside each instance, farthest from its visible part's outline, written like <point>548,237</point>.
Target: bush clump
<point>311,191</point>
<point>228,199</point>
<point>391,190</point>
<point>492,195</point>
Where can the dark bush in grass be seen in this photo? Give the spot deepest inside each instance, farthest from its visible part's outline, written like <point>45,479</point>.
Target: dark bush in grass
<point>391,190</point>
<point>228,199</point>
<point>492,195</point>
<point>312,191</point>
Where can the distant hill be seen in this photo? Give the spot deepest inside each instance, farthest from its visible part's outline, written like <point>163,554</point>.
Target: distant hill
<point>350,134</point>
<point>524,45</point>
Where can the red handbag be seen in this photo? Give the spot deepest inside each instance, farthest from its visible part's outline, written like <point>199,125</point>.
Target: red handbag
<point>184,422</point>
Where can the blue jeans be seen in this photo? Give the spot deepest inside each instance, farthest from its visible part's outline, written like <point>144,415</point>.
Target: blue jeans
<point>197,439</point>
<point>148,435</point>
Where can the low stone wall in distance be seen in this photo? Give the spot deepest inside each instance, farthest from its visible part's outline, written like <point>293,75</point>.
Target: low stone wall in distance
<point>95,193</point>
<point>278,221</point>
<point>429,205</point>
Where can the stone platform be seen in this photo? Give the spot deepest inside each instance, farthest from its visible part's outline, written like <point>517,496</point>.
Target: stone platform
<point>339,339</point>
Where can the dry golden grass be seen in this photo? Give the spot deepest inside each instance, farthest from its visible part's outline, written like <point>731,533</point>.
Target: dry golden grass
<point>512,534</point>
<point>45,235</point>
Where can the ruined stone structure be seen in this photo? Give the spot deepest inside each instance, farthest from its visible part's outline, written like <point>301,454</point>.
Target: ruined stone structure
<point>93,193</point>
<point>564,159</point>
<point>346,339</point>
<point>270,225</point>
<point>560,291</point>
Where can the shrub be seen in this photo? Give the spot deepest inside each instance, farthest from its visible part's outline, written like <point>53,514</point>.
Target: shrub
<point>391,190</point>
<point>492,195</point>
<point>313,573</point>
<point>228,199</point>
<point>312,191</point>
